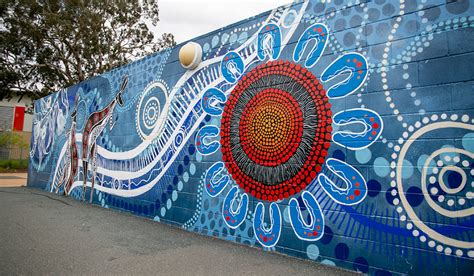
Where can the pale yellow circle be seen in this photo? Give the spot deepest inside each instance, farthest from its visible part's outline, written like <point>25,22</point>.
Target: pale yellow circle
<point>187,54</point>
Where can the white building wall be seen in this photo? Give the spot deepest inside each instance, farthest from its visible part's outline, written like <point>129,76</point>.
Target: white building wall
<point>7,109</point>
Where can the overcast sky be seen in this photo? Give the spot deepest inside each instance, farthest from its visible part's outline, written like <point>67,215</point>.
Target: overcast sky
<point>186,19</point>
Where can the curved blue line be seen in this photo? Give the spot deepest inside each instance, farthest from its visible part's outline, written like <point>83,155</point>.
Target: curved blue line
<point>445,229</point>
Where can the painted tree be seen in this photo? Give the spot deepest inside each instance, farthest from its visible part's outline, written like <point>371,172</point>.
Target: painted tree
<point>49,44</point>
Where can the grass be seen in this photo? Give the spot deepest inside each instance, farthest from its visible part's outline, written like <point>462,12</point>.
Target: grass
<point>13,165</point>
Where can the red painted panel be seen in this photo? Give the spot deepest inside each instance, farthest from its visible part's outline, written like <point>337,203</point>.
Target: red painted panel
<point>19,118</point>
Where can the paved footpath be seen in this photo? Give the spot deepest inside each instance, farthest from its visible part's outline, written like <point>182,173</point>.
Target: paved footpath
<point>43,233</point>
<point>13,179</point>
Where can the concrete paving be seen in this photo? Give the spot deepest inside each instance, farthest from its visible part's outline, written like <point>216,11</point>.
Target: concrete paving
<point>43,233</point>
<point>13,179</point>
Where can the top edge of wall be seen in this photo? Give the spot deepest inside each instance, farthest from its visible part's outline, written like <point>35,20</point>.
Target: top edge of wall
<point>177,46</point>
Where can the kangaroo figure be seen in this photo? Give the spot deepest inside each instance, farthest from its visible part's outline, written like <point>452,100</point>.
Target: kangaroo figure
<point>94,126</point>
<point>71,166</point>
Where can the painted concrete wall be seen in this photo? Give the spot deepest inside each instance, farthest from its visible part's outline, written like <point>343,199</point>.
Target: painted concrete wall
<point>339,132</point>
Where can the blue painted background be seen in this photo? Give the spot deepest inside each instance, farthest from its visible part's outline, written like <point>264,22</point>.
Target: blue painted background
<point>158,151</point>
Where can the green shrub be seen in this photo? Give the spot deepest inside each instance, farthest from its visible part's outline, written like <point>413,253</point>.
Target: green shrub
<point>14,164</point>
<point>12,139</point>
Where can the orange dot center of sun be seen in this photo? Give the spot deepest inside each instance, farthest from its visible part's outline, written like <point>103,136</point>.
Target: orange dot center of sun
<point>271,126</point>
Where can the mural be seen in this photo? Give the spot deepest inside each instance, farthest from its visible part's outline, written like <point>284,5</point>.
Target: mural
<point>340,132</point>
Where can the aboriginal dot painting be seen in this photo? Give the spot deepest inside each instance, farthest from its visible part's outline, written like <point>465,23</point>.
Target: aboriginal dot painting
<point>336,131</point>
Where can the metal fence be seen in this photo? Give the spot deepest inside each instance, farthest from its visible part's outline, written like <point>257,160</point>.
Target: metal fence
<point>13,153</point>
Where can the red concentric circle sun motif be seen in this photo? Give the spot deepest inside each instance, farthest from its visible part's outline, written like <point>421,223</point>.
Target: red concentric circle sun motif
<point>270,127</point>
<point>275,130</point>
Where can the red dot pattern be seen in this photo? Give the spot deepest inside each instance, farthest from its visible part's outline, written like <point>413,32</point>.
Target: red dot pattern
<point>271,127</point>
<point>270,130</point>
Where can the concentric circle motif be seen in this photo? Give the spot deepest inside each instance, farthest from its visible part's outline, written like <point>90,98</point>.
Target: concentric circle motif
<point>445,189</point>
<point>151,110</point>
<point>271,127</point>
<point>275,130</point>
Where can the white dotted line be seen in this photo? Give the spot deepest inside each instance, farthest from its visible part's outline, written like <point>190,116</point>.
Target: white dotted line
<point>396,201</point>
<point>384,69</point>
<point>417,47</point>
<point>196,214</point>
